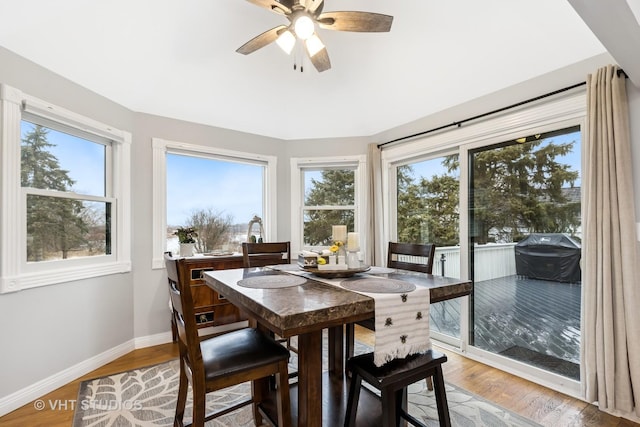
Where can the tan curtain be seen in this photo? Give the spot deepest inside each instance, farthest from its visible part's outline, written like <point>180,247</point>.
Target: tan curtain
<point>374,249</point>
<point>611,305</point>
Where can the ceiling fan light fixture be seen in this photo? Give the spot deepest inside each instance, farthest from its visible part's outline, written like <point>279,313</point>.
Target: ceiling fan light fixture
<point>304,27</point>
<point>305,17</point>
<point>286,41</point>
<point>314,45</point>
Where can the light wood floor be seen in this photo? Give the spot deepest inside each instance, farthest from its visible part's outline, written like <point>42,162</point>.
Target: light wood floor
<point>537,403</point>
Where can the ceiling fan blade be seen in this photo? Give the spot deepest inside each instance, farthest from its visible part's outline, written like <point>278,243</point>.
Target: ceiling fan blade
<point>261,41</point>
<point>321,60</point>
<point>313,6</point>
<point>272,5</point>
<point>355,21</point>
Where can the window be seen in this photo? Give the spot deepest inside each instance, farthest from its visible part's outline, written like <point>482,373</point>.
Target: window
<point>63,177</point>
<point>427,212</point>
<point>217,192</point>
<point>325,192</point>
<point>59,177</point>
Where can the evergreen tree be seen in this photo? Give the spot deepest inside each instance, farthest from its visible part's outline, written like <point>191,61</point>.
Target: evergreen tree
<point>336,188</point>
<point>54,224</point>
<point>412,211</point>
<point>519,189</point>
<point>427,210</point>
<point>441,199</point>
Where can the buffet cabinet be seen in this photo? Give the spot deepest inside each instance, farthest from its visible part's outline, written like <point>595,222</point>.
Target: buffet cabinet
<point>211,308</point>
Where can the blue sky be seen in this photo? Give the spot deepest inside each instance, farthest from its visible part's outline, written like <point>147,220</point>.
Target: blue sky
<point>226,187</point>
<point>83,160</point>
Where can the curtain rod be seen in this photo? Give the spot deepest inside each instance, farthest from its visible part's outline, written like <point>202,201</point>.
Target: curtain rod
<point>619,72</point>
<point>479,116</point>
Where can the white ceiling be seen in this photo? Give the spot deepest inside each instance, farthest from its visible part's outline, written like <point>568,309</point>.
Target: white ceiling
<point>177,59</point>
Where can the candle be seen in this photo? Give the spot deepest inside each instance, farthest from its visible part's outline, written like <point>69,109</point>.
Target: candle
<point>339,232</point>
<point>353,242</point>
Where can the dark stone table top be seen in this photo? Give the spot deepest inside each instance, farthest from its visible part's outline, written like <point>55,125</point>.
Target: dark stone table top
<point>315,305</point>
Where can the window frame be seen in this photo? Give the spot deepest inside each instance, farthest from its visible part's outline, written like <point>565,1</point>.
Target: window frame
<point>298,165</point>
<point>15,273</point>
<point>161,147</point>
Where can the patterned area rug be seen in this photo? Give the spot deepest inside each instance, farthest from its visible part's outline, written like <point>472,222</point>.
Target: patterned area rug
<point>147,396</point>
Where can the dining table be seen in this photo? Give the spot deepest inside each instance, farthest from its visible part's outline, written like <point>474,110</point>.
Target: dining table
<point>290,301</point>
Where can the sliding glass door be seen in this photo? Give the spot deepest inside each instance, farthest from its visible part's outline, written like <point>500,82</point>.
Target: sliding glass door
<point>524,243</point>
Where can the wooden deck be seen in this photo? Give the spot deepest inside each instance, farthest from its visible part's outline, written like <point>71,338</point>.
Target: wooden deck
<point>535,321</point>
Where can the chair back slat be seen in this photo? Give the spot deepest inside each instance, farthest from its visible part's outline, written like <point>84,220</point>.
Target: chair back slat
<point>261,254</point>
<point>183,310</point>
<point>411,256</point>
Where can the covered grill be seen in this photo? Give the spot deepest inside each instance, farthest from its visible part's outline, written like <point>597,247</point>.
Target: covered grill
<point>549,256</point>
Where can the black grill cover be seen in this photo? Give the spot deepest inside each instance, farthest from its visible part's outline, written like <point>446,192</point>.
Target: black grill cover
<point>549,256</point>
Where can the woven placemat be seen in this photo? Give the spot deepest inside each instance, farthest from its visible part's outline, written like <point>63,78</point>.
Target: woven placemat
<point>272,281</point>
<point>381,270</point>
<point>379,286</point>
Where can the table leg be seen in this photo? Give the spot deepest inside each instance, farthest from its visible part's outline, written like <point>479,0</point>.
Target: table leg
<point>310,379</point>
<point>336,350</point>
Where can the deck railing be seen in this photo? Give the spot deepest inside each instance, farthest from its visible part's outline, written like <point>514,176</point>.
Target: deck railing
<point>492,261</point>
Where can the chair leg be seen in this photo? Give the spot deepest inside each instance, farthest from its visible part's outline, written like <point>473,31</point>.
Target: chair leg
<point>350,343</point>
<point>429,381</point>
<point>352,400</point>
<point>199,404</point>
<point>259,389</point>
<point>441,398</point>
<point>389,409</point>
<point>182,397</point>
<point>283,400</point>
<point>401,404</point>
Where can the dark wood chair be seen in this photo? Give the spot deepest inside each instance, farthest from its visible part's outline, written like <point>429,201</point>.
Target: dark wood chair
<point>411,256</point>
<point>261,254</point>
<point>404,256</point>
<point>224,360</point>
<point>272,253</point>
<point>392,380</point>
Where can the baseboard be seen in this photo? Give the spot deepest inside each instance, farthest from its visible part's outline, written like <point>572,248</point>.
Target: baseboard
<point>151,340</point>
<point>22,397</point>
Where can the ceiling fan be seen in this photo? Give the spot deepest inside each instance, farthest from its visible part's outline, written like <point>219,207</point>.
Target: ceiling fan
<point>304,16</point>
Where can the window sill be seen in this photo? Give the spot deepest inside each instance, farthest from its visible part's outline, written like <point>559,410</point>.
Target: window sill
<point>62,275</point>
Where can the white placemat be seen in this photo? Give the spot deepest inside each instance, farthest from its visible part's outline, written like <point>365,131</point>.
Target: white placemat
<point>381,270</point>
<point>285,267</point>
